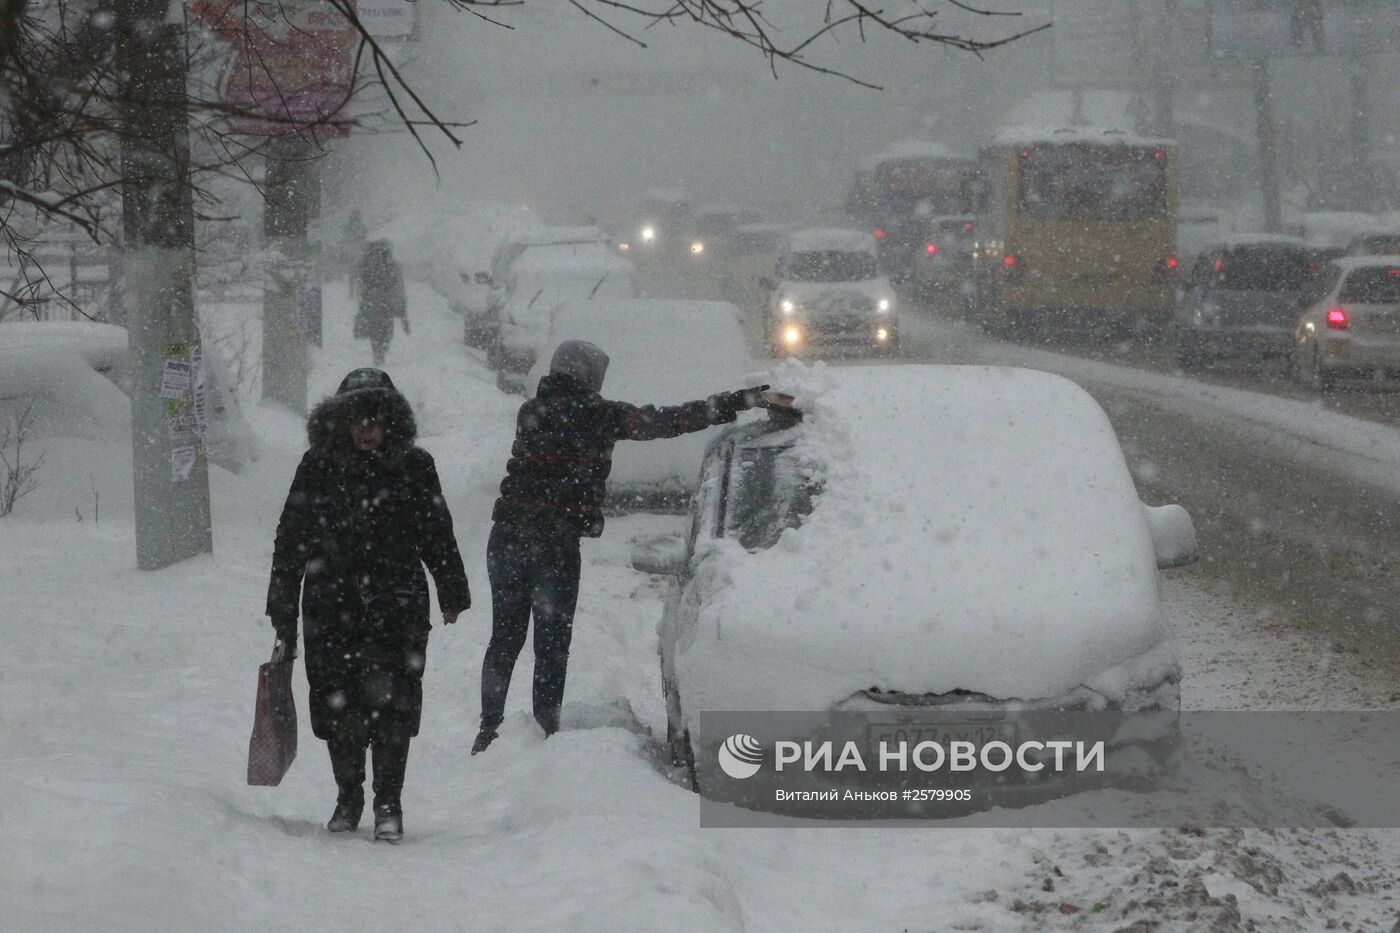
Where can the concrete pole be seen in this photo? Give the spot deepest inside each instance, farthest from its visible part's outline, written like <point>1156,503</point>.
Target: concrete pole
<point>168,413</point>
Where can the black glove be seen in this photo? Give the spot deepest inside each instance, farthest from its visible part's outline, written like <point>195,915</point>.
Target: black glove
<point>726,406</point>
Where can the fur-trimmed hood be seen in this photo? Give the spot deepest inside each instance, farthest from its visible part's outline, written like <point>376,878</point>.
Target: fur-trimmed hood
<point>363,392</point>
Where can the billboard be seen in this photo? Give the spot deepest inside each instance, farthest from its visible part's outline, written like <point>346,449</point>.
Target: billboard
<point>292,64</point>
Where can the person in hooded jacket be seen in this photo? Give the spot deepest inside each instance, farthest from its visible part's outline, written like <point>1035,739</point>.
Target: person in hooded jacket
<point>551,497</point>
<point>382,298</point>
<point>364,514</point>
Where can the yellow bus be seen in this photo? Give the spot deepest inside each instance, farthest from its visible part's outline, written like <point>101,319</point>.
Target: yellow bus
<point>1077,230</point>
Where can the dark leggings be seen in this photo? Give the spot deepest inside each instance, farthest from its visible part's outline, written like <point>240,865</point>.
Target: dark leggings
<point>530,572</point>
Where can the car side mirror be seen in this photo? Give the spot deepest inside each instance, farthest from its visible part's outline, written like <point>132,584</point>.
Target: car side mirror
<point>662,554</point>
<point>483,278</point>
<point>767,282</point>
<point>1173,535</point>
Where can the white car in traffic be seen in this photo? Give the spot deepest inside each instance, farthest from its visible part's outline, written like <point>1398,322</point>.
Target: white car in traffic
<point>1352,331</point>
<point>829,293</point>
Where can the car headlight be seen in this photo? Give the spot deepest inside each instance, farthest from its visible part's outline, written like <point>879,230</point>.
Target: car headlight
<point>792,336</point>
<point>787,306</point>
<point>697,248</point>
<point>884,304</point>
<point>648,234</point>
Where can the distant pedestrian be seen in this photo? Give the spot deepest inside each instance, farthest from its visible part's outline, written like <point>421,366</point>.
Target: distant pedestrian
<point>382,298</point>
<point>364,514</point>
<point>552,496</point>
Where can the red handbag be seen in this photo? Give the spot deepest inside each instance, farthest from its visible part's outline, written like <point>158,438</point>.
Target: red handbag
<point>273,746</point>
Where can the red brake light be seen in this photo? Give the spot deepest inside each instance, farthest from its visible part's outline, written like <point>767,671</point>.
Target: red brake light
<point>879,233</point>
<point>1170,262</point>
<point>968,225</point>
<point>1008,260</point>
<point>1337,318</point>
<point>931,249</point>
<point>1157,154</point>
<point>1218,263</point>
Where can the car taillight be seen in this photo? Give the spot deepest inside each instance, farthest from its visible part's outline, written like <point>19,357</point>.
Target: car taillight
<point>879,233</point>
<point>931,249</point>
<point>1013,268</point>
<point>1337,318</point>
<point>1166,269</point>
<point>1170,262</point>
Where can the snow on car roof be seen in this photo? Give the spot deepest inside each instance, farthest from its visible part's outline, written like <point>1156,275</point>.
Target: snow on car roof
<point>550,235</point>
<point>908,149</point>
<point>831,239</point>
<point>1047,135</point>
<point>1347,263</point>
<point>101,345</point>
<point>977,528</point>
<point>1238,240</point>
<point>566,259</point>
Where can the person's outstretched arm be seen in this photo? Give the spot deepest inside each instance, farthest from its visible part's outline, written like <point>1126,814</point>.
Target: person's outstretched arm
<point>652,422</point>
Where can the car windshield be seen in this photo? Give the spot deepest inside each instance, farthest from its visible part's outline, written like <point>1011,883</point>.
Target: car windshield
<point>829,266</point>
<point>1265,269</point>
<point>769,490</point>
<point>1079,182</point>
<point>1373,285</point>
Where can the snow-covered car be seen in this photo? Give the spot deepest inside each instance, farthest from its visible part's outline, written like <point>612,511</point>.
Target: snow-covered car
<point>829,292</point>
<point>950,538</point>
<point>1242,298</point>
<point>480,321</point>
<point>542,279</point>
<point>462,256</point>
<point>75,374</point>
<point>1353,330</point>
<point>663,352</point>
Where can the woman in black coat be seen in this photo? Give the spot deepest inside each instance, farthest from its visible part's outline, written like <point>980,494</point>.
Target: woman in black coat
<point>382,298</point>
<point>364,514</point>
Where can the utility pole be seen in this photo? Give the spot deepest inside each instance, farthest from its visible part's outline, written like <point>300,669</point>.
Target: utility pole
<point>168,414</point>
<point>291,297</point>
<point>1268,146</point>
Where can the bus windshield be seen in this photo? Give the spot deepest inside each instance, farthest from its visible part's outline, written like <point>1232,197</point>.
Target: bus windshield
<point>944,185</point>
<point>1083,182</point>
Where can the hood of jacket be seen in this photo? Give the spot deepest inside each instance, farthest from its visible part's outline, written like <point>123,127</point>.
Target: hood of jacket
<point>364,392</point>
<point>582,361</point>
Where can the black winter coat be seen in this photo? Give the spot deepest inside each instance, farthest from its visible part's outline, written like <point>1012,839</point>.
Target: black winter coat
<point>354,535</point>
<point>557,474</point>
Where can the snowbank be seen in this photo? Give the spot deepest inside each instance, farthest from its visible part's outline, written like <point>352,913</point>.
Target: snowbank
<point>831,240</point>
<point>977,529</point>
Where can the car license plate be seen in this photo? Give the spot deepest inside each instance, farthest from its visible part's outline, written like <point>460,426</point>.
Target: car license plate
<point>912,733</point>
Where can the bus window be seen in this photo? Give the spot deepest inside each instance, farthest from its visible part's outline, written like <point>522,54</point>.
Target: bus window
<point>1069,182</point>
